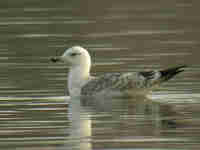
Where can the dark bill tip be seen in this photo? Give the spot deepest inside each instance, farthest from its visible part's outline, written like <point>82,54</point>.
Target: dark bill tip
<point>54,59</point>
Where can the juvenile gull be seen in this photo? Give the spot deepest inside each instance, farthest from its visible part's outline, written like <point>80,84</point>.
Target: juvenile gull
<point>113,84</point>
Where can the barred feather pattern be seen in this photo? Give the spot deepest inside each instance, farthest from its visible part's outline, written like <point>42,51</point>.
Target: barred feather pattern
<point>121,82</point>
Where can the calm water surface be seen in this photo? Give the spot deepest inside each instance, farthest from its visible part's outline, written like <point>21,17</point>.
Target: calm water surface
<point>121,36</point>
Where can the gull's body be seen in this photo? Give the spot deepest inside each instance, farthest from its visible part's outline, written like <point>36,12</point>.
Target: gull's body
<point>112,84</point>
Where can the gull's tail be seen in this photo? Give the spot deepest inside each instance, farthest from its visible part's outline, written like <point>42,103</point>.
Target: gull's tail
<point>171,72</point>
<point>154,78</point>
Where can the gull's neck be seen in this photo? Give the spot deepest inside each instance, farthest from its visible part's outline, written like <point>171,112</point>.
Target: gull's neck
<point>78,76</point>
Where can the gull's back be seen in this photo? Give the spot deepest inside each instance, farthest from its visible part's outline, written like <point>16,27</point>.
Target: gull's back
<point>127,84</point>
<point>118,83</point>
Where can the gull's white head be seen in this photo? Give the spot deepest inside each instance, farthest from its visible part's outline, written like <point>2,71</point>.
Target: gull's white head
<point>80,62</point>
<point>76,56</point>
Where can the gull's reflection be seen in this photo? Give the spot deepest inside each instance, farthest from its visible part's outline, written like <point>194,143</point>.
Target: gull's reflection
<point>138,114</point>
<point>80,130</point>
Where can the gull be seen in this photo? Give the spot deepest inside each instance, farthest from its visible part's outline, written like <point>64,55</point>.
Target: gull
<point>81,83</point>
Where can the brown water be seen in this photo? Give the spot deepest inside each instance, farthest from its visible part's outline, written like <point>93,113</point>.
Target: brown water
<point>121,36</point>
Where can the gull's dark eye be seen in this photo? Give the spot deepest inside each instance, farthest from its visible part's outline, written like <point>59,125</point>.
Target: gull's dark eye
<point>73,54</point>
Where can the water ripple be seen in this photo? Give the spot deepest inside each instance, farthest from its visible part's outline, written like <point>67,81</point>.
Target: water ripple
<point>136,32</point>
